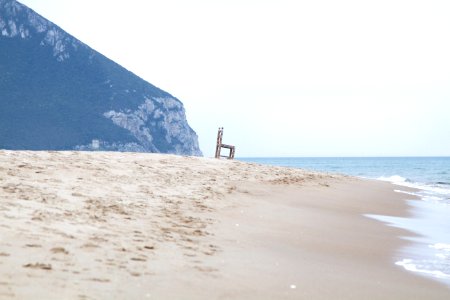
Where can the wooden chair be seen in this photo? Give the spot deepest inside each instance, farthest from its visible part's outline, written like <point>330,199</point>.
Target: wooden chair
<point>219,146</point>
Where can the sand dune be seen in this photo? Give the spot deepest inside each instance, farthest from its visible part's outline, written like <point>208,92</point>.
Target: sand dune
<point>98,225</point>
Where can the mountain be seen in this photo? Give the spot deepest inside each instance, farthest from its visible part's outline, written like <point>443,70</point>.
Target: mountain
<point>56,93</point>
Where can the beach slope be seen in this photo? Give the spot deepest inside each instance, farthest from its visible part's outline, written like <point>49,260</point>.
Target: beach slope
<point>104,225</point>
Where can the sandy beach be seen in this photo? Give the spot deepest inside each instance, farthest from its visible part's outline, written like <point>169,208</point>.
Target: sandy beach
<point>104,225</point>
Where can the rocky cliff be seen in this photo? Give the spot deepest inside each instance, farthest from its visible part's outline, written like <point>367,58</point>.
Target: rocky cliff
<point>56,93</point>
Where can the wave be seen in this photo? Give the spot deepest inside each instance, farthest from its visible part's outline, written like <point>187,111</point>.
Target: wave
<point>431,192</point>
<point>441,246</point>
<point>429,267</point>
<point>400,179</point>
<point>394,179</point>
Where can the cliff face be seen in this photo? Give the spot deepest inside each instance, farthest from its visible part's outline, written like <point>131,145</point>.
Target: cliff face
<point>56,93</point>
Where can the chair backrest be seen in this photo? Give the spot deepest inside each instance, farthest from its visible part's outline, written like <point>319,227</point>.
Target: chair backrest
<point>219,135</point>
<point>219,142</point>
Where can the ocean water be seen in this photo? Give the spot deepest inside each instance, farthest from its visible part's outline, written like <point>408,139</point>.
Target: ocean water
<point>429,254</point>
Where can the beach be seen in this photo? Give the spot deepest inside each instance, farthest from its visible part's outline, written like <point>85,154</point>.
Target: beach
<point>108,225</point>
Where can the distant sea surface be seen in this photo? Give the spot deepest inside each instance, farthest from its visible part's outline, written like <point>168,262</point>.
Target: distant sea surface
<point>430,253</point>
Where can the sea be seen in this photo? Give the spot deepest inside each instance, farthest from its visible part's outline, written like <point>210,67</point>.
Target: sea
<point>429,251</point>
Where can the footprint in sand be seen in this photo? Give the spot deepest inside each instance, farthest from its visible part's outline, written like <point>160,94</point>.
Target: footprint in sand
<point>33,246</point>
<point>38,266</point>
<point>138,259</point>
<point>90,245</point>
<point>59,250</point>
<point>103,280</point>
<point>206,269</point>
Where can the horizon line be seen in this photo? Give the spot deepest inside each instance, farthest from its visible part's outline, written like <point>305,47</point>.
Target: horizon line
<point>369,156</point>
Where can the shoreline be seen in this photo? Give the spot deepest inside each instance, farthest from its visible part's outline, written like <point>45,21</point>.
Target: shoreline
<point>95,225</point>
<point>428,251</point>
<point>345,256</point>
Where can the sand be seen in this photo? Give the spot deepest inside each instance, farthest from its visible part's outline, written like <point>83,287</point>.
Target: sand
<point>97,225</point>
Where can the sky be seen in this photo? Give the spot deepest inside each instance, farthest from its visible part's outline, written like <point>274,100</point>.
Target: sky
<point>285,77</point>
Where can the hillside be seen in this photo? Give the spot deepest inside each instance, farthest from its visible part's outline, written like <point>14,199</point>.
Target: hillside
<point>59,94</point>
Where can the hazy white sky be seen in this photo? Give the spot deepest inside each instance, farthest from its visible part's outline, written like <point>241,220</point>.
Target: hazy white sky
<point>285,78</point>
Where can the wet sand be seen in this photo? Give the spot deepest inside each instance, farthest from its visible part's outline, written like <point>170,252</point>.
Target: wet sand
<point>96,225</point>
